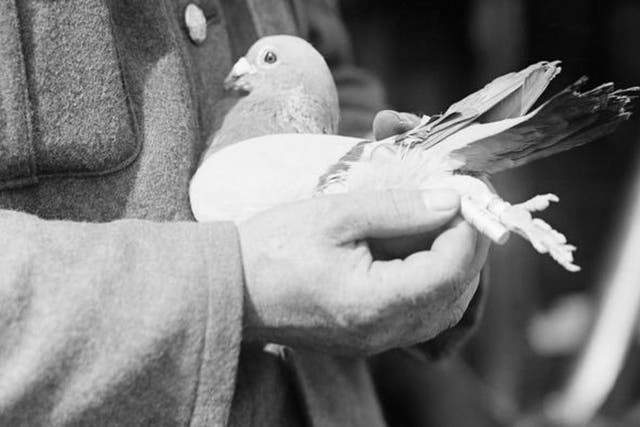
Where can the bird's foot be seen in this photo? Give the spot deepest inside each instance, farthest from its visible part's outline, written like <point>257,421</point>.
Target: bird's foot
<point>539,202</point>
<point>542,236</point>
<point>496,218</point>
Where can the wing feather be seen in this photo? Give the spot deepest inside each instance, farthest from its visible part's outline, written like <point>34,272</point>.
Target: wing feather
<point>569,119</point>
<point>508,96</point>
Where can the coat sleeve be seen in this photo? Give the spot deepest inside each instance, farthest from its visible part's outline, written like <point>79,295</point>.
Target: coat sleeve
<point>125,323</point>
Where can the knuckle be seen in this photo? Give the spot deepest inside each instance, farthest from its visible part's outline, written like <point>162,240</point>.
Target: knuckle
<point>456,280</point>
<point>359,345</point>
<point>455,315</point>
<point>460,302</point>
<point>450,287</point>
<point>369,347</point>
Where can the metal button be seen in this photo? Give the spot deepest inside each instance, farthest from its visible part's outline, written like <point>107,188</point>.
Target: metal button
<point>196,23</point>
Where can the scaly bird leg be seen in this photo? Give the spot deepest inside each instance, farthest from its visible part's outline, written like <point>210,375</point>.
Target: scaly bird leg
<point>495,217</point>
<point>542,236</point>
<point>483,220</point>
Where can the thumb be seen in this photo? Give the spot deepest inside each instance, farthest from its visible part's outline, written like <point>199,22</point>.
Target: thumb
<point>397,213</point>
<point>388,123</point>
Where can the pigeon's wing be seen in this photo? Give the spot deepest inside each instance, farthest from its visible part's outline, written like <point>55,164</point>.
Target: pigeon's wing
<point>489,111</point>
<point>337,172</point>
<point>570,119</point>
<point>510,95</point>
<point>506,97</point>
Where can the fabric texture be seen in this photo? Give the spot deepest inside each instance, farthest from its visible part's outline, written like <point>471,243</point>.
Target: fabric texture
<point>82,123</point>
<point>17,160</point>
<point>116,309</point>
<point>109,323</point>
<point>157,100</point>
<point>142,329</point>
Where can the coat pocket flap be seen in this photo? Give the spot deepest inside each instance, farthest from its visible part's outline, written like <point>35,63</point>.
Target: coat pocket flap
<point>17,158</point>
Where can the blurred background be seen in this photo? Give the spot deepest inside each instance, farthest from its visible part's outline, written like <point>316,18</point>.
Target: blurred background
<point>430,54</point>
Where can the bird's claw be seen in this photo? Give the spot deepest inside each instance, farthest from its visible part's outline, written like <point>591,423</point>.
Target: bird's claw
<point>543,237</point>
<point>539,203</point>
<point>496,218</point>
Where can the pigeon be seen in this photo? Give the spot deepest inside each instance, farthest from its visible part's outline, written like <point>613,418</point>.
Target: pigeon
<point>282,85</point>
<point>277,144</point>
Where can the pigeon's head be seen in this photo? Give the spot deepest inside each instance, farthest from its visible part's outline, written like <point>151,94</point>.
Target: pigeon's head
<point>281,62</point>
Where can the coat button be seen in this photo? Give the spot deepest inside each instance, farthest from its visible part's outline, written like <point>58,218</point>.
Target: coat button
<point>196,23</point>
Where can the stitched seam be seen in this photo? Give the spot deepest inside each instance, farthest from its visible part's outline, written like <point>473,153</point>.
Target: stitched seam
<point>27,102</point>
<point>134,123</point>
<point>133,119</point>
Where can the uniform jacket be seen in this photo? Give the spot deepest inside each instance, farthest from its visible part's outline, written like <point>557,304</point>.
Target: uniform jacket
<point>115,307</point>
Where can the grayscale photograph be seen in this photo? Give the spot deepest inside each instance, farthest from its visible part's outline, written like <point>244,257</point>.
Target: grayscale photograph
<point>318,213</point>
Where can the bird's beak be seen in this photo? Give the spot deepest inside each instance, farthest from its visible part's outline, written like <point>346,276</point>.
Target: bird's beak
<point>240,69</point>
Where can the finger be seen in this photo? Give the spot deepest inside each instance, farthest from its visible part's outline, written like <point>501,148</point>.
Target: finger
<point>452,336</point>
<point>464,230</point>
<point>401,247</point>
<point>388,123</point>
<point>467,294</point>
<point>482,251</point>
<point>447,265</point>
<point>392,213</point>
<point>483,243</point>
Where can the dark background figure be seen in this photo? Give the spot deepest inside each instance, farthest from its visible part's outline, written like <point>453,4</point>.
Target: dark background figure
<point>430,54</point>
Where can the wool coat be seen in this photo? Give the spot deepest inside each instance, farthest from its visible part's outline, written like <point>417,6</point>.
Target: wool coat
<point>116,308</point>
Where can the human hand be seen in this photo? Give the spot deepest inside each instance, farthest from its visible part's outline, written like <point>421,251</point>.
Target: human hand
<point>385,124</point>
<point>388,123</point>
<point>311,279</point>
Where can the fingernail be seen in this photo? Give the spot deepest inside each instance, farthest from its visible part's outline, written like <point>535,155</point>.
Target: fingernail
<point>407,118</point>
<point>441,200</point>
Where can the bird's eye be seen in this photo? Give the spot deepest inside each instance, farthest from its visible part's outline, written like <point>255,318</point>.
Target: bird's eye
<point>270,57</point>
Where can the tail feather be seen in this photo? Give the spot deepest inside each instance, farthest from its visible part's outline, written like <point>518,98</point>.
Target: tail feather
<point>507,96</point>
<point>510,95</point>
<point>520,101</point>
<point>569,119</point>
